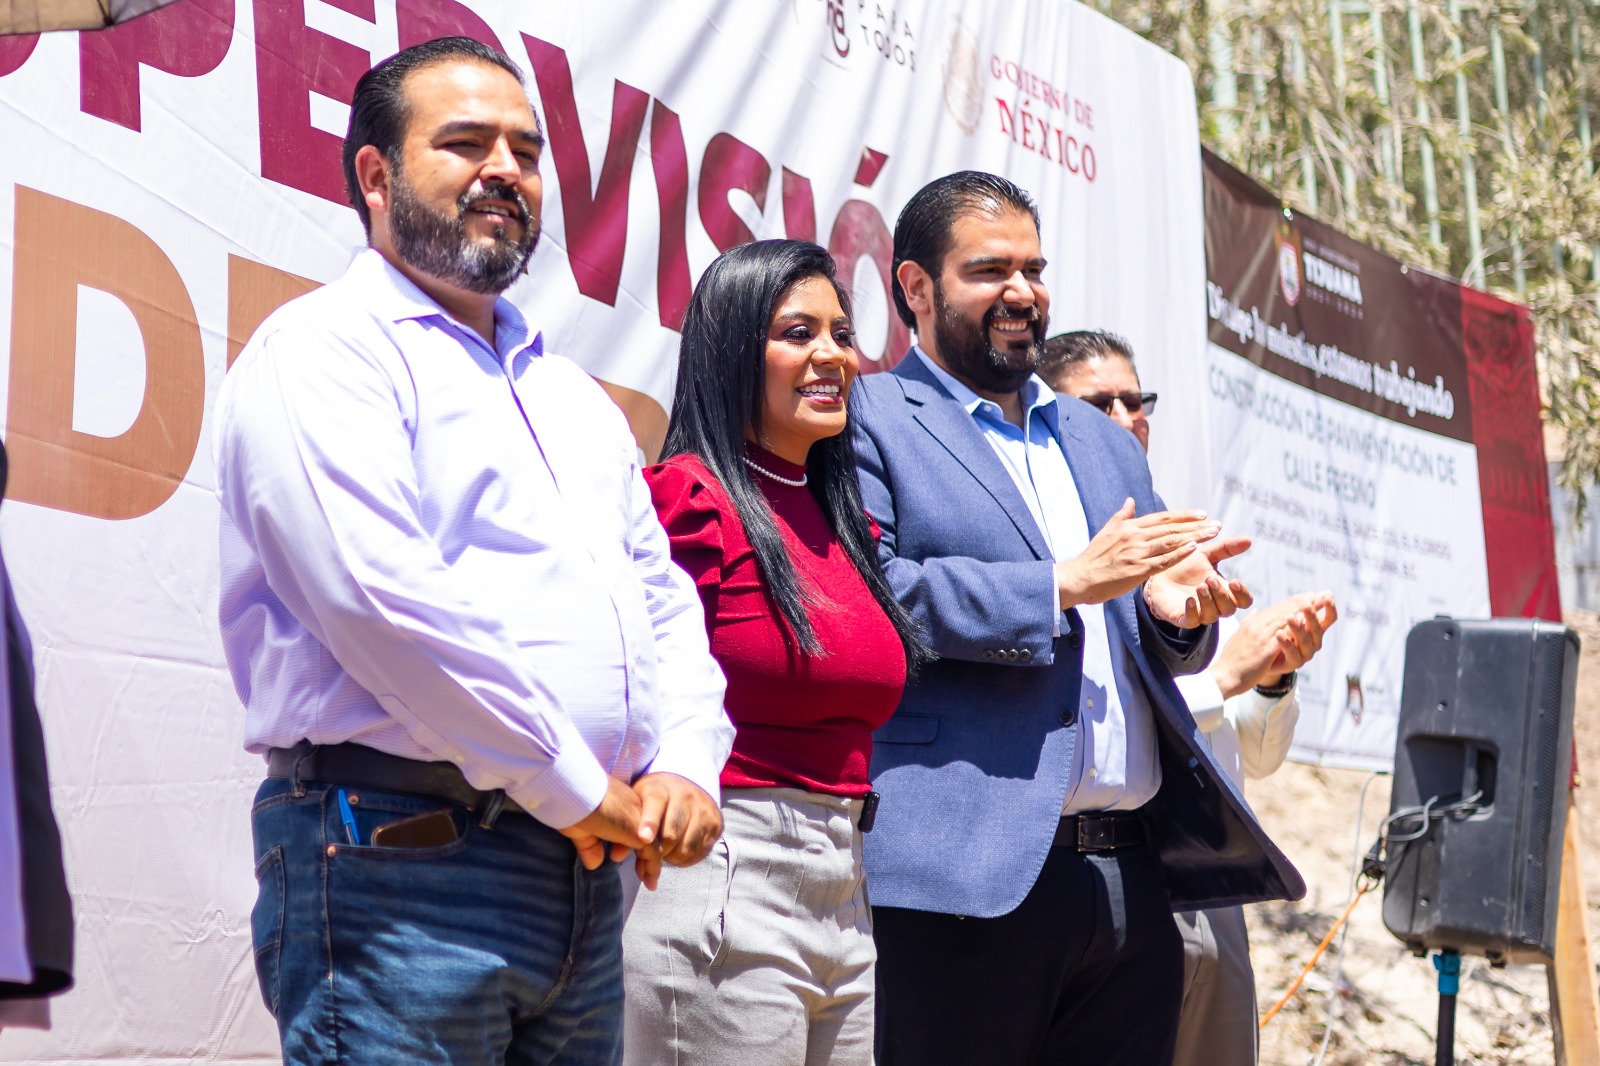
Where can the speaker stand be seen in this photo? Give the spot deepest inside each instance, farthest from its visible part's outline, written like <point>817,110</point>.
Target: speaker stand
<point>1448,963</point>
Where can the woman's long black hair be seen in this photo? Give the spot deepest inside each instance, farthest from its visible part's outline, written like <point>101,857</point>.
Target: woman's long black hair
<point>722,365</point>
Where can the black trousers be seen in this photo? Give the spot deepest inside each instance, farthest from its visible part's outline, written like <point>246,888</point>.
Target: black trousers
<point>1088,969</point>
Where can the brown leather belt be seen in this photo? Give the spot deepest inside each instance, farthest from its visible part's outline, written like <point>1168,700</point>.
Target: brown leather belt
<point>1102,831</point>
<point>358,766</point>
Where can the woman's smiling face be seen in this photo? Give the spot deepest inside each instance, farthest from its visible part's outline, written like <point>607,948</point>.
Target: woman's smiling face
<point>811,363</point>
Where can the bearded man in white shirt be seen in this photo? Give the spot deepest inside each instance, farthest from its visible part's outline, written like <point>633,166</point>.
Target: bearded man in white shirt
<point>451,614</point>
<point>1244,703</point>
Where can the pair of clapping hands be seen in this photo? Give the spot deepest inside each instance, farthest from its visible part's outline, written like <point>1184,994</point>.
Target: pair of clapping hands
<point>664,818</point>
<point>1273,642</point>
<point>1174,554</point>
<point>659,818</point>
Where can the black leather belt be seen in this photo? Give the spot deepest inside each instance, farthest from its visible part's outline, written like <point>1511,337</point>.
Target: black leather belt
<point>1102,830</point>
<point>358,766</point>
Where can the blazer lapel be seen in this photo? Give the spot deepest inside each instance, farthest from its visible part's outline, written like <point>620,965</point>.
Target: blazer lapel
<point>950,424</point>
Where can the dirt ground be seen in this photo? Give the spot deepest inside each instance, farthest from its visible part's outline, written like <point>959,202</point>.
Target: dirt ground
<point>1385,1007</point>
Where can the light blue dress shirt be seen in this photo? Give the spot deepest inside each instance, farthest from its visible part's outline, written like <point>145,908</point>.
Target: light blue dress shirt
<point>445,550</point>
<point>1117,768</point>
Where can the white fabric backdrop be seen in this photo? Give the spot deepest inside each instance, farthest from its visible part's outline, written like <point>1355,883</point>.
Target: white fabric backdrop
<point>151,784</point>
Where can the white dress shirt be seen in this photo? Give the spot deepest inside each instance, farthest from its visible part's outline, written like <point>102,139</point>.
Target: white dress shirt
<point>444,550</point>
<point>1250,734</point>
<point>1116,766</point>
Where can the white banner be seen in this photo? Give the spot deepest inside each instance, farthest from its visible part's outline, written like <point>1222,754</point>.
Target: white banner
<point>1385,515</point>
<point>1348,410</point>
<point>166,184</point>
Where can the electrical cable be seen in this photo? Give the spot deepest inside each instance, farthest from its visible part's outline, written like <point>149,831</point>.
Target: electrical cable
<point>1338,970</point>
<point>1372,871</point>
<point>1276,1007</point>
<point>1426,813</point>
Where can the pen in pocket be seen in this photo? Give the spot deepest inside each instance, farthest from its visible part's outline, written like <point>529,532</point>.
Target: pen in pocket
<point>348,818</point>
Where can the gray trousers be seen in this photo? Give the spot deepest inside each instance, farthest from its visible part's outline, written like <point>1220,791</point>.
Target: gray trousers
<point>762,954</point>
<point>1218,1023</point>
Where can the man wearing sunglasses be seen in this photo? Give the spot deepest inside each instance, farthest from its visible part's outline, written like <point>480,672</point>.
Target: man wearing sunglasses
<point>1135,404</point>
<point>1244,703</point>
<point>1097,368</point>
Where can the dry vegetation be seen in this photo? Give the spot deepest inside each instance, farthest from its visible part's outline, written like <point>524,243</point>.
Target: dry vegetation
<point>1341,129</point>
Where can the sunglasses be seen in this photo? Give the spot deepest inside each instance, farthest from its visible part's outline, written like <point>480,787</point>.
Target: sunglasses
<point>1132,402</point>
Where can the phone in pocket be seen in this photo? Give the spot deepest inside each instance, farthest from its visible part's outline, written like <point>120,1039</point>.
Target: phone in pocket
<point>430,829</point>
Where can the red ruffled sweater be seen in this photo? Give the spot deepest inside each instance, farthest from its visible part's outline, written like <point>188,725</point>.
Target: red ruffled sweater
<point>803,721</point>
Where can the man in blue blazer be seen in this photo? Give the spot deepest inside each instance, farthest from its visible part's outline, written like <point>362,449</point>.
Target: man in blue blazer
<point>1046,800</point>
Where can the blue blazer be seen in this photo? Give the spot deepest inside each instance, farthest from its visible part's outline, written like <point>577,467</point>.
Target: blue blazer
<point>972,768</point>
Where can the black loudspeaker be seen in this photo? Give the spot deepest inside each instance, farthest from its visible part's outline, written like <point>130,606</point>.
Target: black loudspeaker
<point>1485,745</point>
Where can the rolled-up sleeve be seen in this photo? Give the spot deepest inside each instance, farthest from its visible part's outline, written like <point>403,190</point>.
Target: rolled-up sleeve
<point>315,473</point>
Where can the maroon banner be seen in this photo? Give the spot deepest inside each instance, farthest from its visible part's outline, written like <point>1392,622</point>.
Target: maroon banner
<point>1305,302</point>
<point>1375,429</point>
<point>1519,536</point>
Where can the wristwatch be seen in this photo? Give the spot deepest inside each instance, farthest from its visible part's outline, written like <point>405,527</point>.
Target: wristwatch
<point>1284,686</point>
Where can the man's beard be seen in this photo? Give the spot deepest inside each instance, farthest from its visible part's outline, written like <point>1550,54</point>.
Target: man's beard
<point>966,351</point>
<point>436,242</point>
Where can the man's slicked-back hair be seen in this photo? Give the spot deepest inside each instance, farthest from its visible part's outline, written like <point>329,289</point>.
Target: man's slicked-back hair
<point>378,111</point>
<point>922,233</point>
<point>1066,351</point>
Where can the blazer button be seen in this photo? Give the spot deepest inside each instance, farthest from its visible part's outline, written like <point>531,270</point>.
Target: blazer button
<point>1013,655</point>
<point>1026,655</point>
<point>1069,716</point>
<point>1075,640</point>
<point>988,653</point>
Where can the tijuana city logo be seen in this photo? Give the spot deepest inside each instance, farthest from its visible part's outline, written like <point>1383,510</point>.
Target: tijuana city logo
<point>1355,699</point>
<point>1290,281</point>
<point>1328,276</point>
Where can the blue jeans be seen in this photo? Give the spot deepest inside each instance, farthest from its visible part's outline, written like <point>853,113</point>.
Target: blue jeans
<point>496,948</point>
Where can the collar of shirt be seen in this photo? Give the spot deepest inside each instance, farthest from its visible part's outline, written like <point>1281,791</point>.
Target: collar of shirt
<point>1036,398</point>
<point>396,297</point>
<point>1116,764</point>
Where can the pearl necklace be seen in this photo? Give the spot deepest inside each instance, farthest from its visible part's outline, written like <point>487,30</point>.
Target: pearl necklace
<point>794,483</point>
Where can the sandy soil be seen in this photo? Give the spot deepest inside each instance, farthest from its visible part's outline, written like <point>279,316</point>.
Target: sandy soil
<point>1385,1006</point>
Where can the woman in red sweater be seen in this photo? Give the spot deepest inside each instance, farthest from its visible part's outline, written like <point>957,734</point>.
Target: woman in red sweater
<point>762,953</point>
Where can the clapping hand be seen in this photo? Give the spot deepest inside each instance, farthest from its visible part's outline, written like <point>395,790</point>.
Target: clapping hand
<point>1300,637</point>
<point>1192,592</point>
<point>1129,551</point>
<point>1272,642</point>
